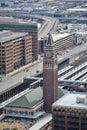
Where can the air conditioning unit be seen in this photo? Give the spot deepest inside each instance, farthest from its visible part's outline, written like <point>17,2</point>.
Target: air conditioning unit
<point>80,100</point>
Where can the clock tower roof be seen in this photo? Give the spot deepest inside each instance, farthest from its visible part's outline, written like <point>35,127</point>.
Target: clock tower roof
<point>50,40</point>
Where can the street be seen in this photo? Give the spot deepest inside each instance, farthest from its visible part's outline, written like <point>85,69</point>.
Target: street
<point>18,77</point>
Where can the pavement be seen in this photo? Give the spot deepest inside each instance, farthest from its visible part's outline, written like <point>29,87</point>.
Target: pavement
<point>17,77</point>
<point>42,122</point>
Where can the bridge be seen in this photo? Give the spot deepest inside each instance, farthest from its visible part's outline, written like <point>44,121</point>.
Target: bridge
<point>70,83</point>
<point>49,25</point>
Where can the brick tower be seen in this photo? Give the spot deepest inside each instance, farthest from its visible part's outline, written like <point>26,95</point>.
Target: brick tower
<point>50,75</point>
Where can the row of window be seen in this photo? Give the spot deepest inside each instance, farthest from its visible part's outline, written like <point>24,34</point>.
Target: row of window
<point>63,128</point>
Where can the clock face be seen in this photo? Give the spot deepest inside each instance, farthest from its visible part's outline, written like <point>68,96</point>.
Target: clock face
<point>48,54</point>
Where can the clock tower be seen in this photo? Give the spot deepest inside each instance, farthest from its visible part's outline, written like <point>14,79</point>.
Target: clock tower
<point>50,75</point>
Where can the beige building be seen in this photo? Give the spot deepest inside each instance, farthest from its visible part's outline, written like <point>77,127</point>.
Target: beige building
<point>63,41</point>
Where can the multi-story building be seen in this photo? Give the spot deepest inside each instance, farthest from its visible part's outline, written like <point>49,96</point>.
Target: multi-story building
<point>35,48</point>
<point>70,112</point>
<point>76,27</point>
<point>15,51</point>
<point>17,25</point>
<point>61,41</point>
<point>81,37</point>
<point>50,75</point>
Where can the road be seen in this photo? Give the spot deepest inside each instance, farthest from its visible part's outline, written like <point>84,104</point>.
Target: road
<point>18,76</point>
<point>49,25</point>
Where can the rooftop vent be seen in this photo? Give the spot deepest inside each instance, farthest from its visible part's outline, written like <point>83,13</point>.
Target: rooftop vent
<point>82,100</point>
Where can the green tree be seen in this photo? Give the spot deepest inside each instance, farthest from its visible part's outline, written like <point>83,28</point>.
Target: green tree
<point>14,129</point>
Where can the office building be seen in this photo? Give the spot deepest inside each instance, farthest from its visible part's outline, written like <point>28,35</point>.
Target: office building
<point>50,78</point>
<point>15,51</point>
<point>18,25</point>
<point>35,48</point>
<point>62,41</point>
<point>70,112</point>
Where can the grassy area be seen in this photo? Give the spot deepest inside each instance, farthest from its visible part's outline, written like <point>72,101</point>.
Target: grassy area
<point>18,126</point>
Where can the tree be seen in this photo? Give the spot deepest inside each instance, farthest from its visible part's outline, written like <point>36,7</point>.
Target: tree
<point>14,129</point>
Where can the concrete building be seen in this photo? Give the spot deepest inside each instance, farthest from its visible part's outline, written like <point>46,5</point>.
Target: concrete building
<point>61,41</point>
<point>81,37</point>
<point>15,51</point>
<point>50,76</point>
<point>76,27</point>
<point>70,112</point>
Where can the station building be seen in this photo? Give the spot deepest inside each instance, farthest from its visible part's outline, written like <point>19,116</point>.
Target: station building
<point>15,51</point>
<point>29,105</point>
<point>70,112</point>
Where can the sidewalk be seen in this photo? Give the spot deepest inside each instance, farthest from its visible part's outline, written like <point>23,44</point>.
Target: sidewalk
<point>41,123</point>
<point>20,69</point>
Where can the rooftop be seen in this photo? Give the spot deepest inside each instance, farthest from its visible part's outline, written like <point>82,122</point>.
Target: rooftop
<point>8,35</point>
<point>30,99</point>
<point>70,100</point>
<point>59,36</point>
<point>9,23</point>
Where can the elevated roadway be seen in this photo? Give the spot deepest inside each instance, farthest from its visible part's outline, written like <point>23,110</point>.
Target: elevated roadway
<point>49,24</point>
